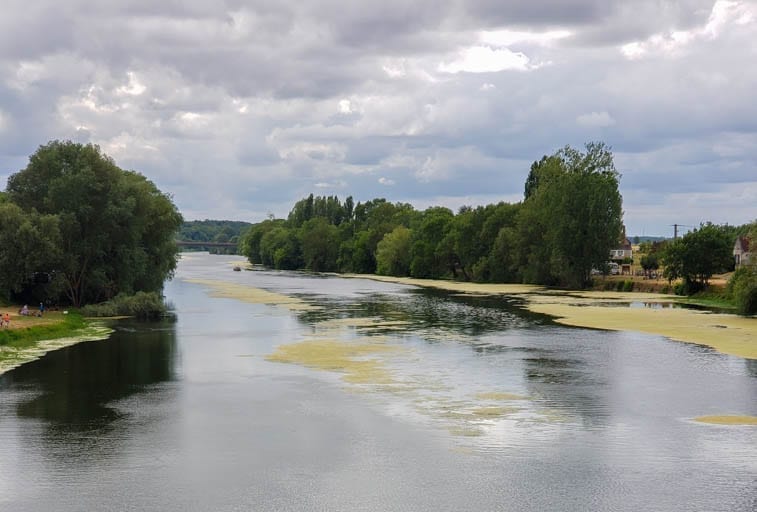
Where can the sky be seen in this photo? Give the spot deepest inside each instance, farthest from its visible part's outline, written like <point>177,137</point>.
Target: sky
<point>238,109</point>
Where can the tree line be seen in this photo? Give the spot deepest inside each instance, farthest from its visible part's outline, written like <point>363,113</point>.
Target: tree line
<point>215,231</point>
<point>77,229</point>
<point>565,226</point>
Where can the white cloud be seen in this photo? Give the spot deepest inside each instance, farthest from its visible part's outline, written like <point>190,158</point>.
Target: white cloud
<point>386,181</point>
<point>484,59</point>
<point>724,14</point>
<point>345,106</point>
<point>133,88</point>
<point>265,105</point>
<point>595,119</point>
<point>511,37</point>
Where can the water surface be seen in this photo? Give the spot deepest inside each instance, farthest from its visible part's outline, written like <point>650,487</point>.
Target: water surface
<point>482,406</point>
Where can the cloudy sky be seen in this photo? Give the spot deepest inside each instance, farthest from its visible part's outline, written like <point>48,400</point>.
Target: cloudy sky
<point>239,108</point>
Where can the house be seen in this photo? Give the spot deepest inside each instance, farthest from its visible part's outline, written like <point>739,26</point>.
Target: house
<point>623,251</point>
<point>623,254</point>
<point>742,252</point>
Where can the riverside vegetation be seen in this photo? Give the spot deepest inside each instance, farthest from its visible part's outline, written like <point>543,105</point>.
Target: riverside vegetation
<point>78,230</point>
<point>566,225</point>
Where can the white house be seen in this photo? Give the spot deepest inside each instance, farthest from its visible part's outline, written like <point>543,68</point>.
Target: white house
<point>742,253</point>
<point>623,251</point>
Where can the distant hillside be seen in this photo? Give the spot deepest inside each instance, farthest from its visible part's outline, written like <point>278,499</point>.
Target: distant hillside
<point>212,231</point>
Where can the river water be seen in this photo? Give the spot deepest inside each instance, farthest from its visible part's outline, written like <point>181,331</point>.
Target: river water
<point>377,397</point>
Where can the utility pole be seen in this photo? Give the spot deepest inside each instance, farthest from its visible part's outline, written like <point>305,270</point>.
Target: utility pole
<point>675,229</point>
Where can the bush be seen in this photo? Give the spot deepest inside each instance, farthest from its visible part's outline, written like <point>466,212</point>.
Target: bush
<point>628,286</point>
<point>742,287</point>
<point>145,306</point>
<point>688,287</point>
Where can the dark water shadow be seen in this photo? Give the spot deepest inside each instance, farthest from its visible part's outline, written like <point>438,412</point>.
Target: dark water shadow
<point>73,388</point>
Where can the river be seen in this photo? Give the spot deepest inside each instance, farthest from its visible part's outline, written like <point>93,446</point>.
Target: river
<point>365,395</point>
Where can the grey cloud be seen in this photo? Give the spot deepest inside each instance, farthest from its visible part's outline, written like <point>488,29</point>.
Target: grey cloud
<point>240,109</point>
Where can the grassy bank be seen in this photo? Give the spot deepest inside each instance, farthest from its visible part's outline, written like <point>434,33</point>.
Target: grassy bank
<point>28,337</point>
<point>25,331</point>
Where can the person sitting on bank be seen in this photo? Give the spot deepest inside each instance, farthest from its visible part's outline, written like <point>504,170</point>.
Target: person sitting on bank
<point>24,310</point>
<point>6,320</point>
<point>41,309</point>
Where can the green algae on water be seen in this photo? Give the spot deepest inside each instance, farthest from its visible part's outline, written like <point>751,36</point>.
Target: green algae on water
<point>728,420</point>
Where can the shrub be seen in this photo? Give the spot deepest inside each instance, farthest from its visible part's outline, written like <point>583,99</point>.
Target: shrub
<point>742,287</point>
<point>688,287</point>
<point>628,286</point>
<point>145,306</point>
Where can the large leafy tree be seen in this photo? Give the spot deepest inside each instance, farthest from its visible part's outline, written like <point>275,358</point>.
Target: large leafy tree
<point>426,259</point>
<point>116,228</point>
<point>35,243</point>
<point>393,253</point>
<point>320,245</point>
<point>574,209</point>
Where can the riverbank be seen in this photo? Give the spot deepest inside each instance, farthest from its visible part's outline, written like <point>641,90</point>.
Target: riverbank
<point>28,338</point>
<point>650,313</point>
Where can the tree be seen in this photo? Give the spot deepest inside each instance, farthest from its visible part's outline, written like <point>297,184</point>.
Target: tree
<point>572,215</point>
<point>116,228</point>
<point>250,244</point>
<point>35,240</point>
<point>426,261</point>
<point>319,241</point>
<point>697,255</point>
<point>280,248</point>
<point>393,253</point>
<point>649,262</point>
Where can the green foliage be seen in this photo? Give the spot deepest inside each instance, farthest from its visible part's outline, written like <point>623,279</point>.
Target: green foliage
<point>35,242</point>
<point>696,256</point>
<point>742,287</point>
<point>566,226</point>
<point>572,215</point>
<point>101,229</point>
<point>650,262</point>
<point>319,241</point>
<point>426,259</point>
<point>280,249</point>
<point>624,286</point>
<point>217,231</point>
<point>328,208</point>
<point>142,305</point>
<point>250,242</point>
<point>393,253</point>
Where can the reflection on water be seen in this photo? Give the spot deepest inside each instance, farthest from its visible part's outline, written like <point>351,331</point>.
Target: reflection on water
<point>383,397</point>
<point>75,387</point>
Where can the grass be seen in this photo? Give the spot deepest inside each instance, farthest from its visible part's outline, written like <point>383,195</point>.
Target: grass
<point>710,300</point>
<point>25,331</point>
